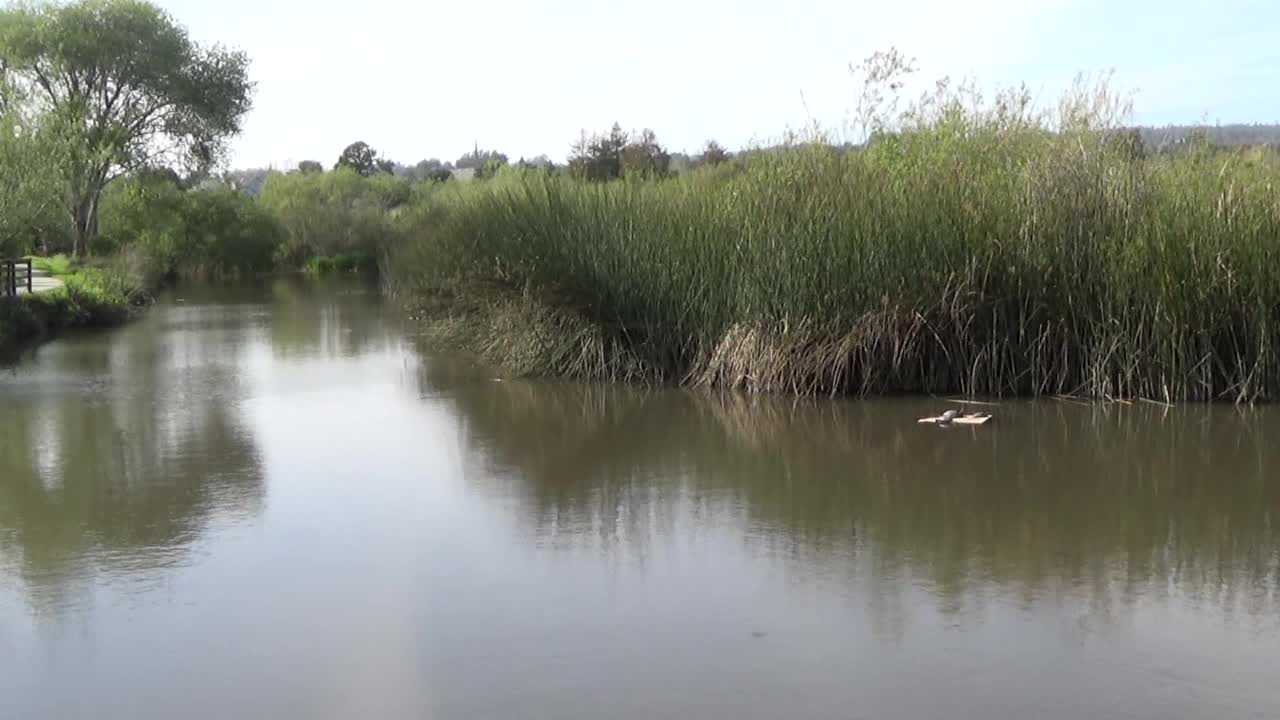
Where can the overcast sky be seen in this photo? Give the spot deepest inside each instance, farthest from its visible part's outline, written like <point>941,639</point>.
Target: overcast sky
<point>430,78</point>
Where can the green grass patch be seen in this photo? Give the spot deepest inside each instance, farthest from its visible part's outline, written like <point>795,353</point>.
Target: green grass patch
<point>320,265</point>
<point>340,263</point>
<point>58,266</point>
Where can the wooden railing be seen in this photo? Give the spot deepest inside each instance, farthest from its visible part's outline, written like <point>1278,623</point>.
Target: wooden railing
<point>14,274</point>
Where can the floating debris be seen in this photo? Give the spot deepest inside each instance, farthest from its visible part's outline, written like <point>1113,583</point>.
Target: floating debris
<point>955,417</point>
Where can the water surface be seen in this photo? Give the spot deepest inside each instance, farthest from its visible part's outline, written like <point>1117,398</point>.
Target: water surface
<point>266,502</point>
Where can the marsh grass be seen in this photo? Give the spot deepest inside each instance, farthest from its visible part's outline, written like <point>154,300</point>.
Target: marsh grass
<point>977,248</point>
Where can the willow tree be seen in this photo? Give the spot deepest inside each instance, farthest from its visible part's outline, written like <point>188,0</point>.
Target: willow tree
<point>126,87</point>
<point>28,191</point>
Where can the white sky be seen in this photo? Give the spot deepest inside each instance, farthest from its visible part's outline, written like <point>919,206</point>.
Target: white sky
<point>430,79</point>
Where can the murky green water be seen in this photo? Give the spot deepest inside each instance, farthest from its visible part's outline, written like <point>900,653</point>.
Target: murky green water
<point>262,503</point>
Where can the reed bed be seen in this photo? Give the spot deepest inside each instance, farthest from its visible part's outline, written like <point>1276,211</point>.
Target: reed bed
<point>982,254</point>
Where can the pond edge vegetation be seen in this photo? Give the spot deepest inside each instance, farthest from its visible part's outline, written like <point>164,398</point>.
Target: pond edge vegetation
<point>103,296</point>
<point>984,248</point>
<point>952,244</point>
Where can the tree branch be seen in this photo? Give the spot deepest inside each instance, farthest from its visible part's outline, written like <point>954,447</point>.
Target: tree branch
<point>44,83</point>
<point>109,103</point>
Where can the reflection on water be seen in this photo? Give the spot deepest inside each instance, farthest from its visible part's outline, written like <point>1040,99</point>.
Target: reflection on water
<point>1115,504</point>
<point>1069,561</point>
<point>116,450</point>
<point>263,502</point>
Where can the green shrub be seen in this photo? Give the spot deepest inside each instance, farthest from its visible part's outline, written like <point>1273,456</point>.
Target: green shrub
<point>57,266</point>
<point>333,213</point>
<point>211,231</point>
<point>227,233</point>
<point>341,263</point>
<point>320,265</point>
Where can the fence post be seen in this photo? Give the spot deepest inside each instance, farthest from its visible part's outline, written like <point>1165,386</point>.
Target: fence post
<point>30,283</point>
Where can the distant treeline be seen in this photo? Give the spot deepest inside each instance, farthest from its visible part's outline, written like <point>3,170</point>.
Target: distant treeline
<point>601,156</point>
<point>604,154</point>
<point>1235,135</point>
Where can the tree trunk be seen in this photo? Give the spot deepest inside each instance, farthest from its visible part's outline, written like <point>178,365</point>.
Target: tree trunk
<point>85,221</point>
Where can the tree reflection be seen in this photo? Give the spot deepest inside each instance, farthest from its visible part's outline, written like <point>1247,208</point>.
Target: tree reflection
<point>117,450</point>
<point>1106,504</point>
<point>329,319</point>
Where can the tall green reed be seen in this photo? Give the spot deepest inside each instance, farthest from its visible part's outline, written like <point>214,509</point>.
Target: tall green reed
<point>982,249</point>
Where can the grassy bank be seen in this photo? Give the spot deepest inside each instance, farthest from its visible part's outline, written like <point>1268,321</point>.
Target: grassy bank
<point>982,253</point>
<point>343,263</point>
<point>92,296</point>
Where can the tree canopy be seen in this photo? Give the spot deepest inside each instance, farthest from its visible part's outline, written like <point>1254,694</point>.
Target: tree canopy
<point>644,156</point>
<point>618,154</point>
<point>127,88</point>
<point>431,169</point>
<point>477,159</point>
<point>28,191</point>
<point>599,157</point>
<point>364,160</point>
<point>713,153</point>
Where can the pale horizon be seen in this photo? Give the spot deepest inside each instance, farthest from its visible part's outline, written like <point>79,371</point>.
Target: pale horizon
<point>432,80</point>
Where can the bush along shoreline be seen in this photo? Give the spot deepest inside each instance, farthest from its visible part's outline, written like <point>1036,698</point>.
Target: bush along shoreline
<point>104,296</point>
<point>979,252</point>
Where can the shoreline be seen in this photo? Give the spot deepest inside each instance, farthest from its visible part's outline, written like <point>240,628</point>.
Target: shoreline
<point>29,321</point>
<point>525,337</point>
<point>90,297</point>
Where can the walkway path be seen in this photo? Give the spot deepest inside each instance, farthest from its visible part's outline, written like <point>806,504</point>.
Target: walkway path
<point>41,282</point>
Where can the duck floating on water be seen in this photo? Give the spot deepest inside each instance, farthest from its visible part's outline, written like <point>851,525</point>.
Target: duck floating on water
<point>955,417</point>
